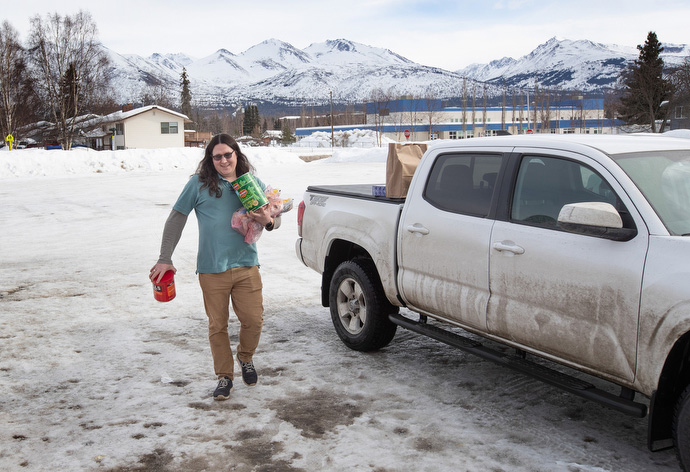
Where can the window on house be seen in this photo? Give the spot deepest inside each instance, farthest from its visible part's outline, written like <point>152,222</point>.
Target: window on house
<point>452,135</point>
<point>119,129</point>
<point>169,127</point>
<point>682,112</point>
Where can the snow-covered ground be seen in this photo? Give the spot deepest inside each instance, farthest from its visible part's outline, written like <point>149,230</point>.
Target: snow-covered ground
<point>97,375</point>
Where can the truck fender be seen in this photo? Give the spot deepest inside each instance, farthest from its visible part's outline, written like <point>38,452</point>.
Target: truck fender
<point>673,380</point>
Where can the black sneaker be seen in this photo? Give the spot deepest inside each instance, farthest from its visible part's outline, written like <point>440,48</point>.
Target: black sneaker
<point>249,376</point>
<point>223,389</point>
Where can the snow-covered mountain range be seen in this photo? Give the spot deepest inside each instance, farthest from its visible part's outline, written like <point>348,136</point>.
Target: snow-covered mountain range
<point>277,72</point>
<point>569,65</point>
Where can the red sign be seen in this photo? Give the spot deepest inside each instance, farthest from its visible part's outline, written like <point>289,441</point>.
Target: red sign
<point>529,131</point>
<point>407,133</point>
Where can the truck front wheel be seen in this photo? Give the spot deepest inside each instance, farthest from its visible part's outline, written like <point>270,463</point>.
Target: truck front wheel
<point>359,308</point>
<point>681,429</point>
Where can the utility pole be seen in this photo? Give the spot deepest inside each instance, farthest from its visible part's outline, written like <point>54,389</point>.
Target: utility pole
<point>332,137</point>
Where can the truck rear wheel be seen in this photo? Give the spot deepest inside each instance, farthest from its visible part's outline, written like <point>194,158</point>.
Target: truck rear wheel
<point>681,429</point>
<point>359,308</point>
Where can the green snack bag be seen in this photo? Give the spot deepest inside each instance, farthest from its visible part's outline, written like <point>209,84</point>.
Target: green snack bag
<point>249,192</point>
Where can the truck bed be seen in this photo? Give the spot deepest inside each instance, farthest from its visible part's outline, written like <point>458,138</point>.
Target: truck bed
<point>361,191</point>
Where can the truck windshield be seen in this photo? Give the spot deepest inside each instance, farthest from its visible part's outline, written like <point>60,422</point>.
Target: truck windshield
<point>664,179</point>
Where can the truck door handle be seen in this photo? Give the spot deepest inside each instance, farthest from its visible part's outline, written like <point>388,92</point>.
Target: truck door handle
<point>508,246</point>
<point>417,228</point>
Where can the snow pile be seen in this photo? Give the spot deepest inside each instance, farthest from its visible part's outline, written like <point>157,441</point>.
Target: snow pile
<point>39,162</point>
<point>54,163</point>
<point>359,146</point>
<point>349,138</point>
<point>375,154</point>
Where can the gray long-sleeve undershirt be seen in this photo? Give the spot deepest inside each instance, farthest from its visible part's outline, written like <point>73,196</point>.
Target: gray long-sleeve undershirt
<point>172,232</point>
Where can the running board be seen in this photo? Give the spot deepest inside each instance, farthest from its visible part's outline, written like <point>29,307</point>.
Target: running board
<point>552,377</point>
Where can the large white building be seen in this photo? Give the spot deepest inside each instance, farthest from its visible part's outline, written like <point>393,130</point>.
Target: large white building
<point>422,119</point>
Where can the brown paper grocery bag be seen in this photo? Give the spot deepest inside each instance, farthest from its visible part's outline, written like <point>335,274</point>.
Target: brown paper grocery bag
<point>403,160</point>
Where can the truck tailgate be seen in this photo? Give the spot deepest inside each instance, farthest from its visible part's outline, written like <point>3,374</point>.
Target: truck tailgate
<point>363,191</point>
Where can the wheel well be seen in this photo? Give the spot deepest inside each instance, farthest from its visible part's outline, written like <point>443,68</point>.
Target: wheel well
<point>674,378</point>
<point>340,251</point>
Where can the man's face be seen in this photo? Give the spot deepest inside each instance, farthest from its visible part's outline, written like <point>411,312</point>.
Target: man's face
<point>227,162</point>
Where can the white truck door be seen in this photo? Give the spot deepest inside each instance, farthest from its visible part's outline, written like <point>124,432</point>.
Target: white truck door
<point>570,296</point>
<point>443,241</point>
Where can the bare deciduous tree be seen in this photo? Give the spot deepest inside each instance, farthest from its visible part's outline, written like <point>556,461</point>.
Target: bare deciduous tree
<point>71,68</point>
<point>464,107</point>
<point>432,110</point>
<point>17,99</point>
<point>411,119</point>
<point>380,101</point>
<point>679,102</point>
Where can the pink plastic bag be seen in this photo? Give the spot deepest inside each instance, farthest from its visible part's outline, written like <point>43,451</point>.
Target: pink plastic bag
<point>250,228</point>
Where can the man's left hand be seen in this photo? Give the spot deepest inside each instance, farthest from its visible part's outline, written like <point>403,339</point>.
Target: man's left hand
<point>261,215</point>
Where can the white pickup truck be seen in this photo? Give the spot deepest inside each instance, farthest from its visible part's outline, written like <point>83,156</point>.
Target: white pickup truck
<point>572,248</point>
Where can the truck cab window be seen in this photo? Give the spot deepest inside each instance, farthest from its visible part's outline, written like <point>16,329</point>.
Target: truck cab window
<point>545,184</point>
<point>463,183</point>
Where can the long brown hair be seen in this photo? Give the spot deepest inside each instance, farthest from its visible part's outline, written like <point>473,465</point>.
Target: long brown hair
<point>208,175</point>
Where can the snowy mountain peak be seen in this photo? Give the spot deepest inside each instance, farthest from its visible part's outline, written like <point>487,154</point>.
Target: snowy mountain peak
<point>341,45</point>
<point>343,51</point>
<point>275,71</point>
<point>224,52</point>
<point>276,51</point>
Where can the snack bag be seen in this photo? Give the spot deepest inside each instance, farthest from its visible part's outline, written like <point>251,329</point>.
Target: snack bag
<point>251,229</point>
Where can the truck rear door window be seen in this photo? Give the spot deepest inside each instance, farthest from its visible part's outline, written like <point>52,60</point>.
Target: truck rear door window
<point>463,183</point>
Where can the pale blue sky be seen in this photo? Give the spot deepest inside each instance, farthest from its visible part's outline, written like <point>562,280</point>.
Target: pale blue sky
<point>442,33</point>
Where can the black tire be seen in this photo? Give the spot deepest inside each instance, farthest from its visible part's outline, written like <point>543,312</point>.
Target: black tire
<point>681,429</point>
<point>359,308</point>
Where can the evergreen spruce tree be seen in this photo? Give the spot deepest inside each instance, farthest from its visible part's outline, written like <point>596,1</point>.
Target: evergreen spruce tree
<point>252,120</point>
<point>645,86</point>
<point>186,94</point>
<point>287,137</point>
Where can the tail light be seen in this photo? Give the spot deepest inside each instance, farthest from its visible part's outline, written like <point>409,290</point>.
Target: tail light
<point>300,217</point>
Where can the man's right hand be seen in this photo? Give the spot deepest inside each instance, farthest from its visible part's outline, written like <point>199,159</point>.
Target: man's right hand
<point>158,270</point>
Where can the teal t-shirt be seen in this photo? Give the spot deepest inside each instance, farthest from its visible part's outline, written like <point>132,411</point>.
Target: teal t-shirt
<point>220,246</point>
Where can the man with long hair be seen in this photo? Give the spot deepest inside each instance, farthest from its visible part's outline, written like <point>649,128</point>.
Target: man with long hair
<point>228,267</point>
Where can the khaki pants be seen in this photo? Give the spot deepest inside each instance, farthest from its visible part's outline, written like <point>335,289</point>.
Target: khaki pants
<point>243,286</point>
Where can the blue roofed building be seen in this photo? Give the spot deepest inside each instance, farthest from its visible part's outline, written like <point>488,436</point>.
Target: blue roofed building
<point>427,119</point>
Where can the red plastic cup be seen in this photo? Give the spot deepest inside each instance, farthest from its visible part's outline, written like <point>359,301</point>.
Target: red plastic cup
<point>164,290</point>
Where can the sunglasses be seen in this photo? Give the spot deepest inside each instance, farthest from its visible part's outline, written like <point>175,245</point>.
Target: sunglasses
<point>227,156</point>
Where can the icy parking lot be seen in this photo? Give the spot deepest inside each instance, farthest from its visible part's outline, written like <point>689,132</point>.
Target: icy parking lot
<point>97,375</point>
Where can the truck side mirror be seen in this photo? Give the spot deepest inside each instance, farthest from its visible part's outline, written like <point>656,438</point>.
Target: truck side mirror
<point>597,219</point>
